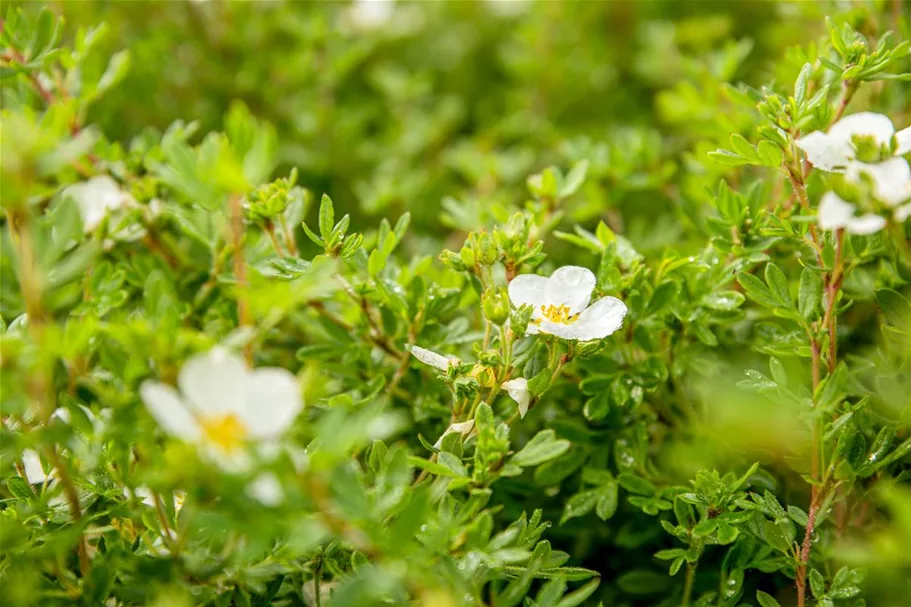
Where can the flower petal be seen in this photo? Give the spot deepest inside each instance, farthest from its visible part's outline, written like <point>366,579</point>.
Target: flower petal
<point>95,198</point>
<point>215,381</point>
<point>165,405</point>
<point>266,489</point>
<point>527,290</point>
<point>891,178</point>
<point>272,402</point>
<point>833,213</point>
<point>864,123</point>
<point>518,391</point>
<point>34,469</point>
<point>865,224</point>
<point>903,141</point>
<point>433,359</point>
<point>599,320</point>
<point>571,286</point>
<point>826,152</point>
<point>903,212</point>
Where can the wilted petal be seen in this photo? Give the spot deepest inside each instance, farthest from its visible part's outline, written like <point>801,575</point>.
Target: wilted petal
<point>463,428</point>
<point>273,401</point>
<point>599,320</point>
<point>527,290</point>
<point>165,405</point>
<point>215,382</point>
<point>868,124</point>
<point>826,152</point>
<point>433,359</point>
<point>571,286</point>
<point>891,178</point>
<point>266,489</point>
<point>518,391</point>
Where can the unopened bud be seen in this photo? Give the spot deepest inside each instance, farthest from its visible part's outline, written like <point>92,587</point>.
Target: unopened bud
<point>495,304</point>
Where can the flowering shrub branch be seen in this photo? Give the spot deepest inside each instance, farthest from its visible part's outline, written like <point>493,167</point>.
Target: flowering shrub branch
<point>543,383</point>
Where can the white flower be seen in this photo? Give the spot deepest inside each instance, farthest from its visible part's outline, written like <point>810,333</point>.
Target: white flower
<point>834,151</point>
<point>518,391</point>
<point>433,359</point>
<point>266,489</point>
<point>96,198</point>
<point>223,406</point>
<point>463,428</point>
<point>834,213</point>
<point>370,14</point>
<point>560,304</point>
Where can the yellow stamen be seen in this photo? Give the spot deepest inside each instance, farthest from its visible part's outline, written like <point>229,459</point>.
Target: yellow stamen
<point>226,431</point>
<point>559,314</point>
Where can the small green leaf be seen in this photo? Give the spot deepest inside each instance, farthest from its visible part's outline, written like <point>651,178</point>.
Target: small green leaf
<point>326,217</point>
<point>766,600</point>
<point>543,447</point>
<point>636,484</point>
<point>809,295</point>
<point>723,301</point>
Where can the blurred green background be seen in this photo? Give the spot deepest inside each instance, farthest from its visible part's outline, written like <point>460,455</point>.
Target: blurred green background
<point>460,99</point>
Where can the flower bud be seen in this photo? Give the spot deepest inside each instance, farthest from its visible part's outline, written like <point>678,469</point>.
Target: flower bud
<point>467,256</point>
<point>495,304</point>
<point>452,260</point>
<point>488,250</point>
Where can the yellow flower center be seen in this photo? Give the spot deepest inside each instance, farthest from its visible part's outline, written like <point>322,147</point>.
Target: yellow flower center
<point>559,314</point>
<point>225,431</point>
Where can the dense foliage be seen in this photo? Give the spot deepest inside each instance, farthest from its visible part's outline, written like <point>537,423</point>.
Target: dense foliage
<point>442,304</point>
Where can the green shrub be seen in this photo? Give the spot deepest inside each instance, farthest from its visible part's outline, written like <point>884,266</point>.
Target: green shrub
<point>444,304</point>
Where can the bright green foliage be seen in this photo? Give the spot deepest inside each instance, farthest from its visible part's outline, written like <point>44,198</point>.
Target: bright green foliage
<point>332,192</point>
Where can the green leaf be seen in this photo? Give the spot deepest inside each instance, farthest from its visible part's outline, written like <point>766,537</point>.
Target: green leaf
<point>578,597</point>
<point>574,179</point>
<point>800,87</point>
<point>798,516</point>
<point>453,463</point>
<point>429,466</point>
<point>19,488</point>
<point>642,582</point>
<point>895,307</point>
<point>723,301</point>
<point>778,285</point>
<point>326,217</point>
<point>778,373</point>
<point>809,295</point>
<point>817,584</point>
<point>117,69</point>
<point>727,158</point>
<point>757,290</point>
<point>606,505</point>
<point>662,297</point>
<point>743,148</point>
<point>636,484</point>
<point>543,447</point>
<point>770,154</point>
<point>766,600</point>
